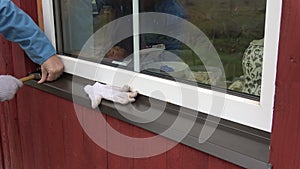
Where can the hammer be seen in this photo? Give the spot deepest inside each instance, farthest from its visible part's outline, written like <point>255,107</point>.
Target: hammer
<point>32,76</point>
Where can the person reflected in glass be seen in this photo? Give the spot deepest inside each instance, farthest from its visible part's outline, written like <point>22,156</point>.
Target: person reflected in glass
<point>173,7</point>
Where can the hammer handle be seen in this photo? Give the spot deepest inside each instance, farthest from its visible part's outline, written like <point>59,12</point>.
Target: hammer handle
<point>30,77</point>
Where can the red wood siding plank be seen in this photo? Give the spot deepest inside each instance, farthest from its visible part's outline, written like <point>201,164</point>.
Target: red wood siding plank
<point>285,138</point>
<point>36,105</point>
<point>13,133</point>
<point>158,161</point>
<point>73,137</point>
<point>53,133</point>
<point>175,157</point>
<point>30,7</point>
<point>216,163</point>
<point>5,57</point>
<point>22,65</point>
<point>80,151</point>
<point>4,138</point>
<point>1,156</point>
<point>181,157</point>
<point>25,125</point>
<point>95,156</point>
<point>285,130</point>
<point>194,158</point>
<point>114,142</point>
<point>5,68</point>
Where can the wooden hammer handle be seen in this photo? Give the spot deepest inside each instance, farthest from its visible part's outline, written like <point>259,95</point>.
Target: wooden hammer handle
<point>30,77</point>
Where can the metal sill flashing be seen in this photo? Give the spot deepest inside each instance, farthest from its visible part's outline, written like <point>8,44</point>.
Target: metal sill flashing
<point>241,145</point>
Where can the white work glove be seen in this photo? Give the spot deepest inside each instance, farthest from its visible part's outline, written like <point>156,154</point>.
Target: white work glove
<point>9,85</point>
<point>99,91</point>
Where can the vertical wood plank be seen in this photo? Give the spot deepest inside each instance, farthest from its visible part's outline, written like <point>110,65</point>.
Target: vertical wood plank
<point>53,130</point>
<point>38,127</point>
<point>41,136</point>
<point>30,7</point>
<point>116,161</point>
<point>10,138</point>
<point>194,158</point>
<point>285,136</point>
<point>22,65</point>
<point>5,57</point>
<point>73,137</point>
<point>80,151</point>
<point>5,50</point>
<point>25,124</point>
<point>158,161</point>
<point>214,163</point>
<point>13,133</point>
<point>95,133</point>
<point>4,137</point>
<point>16,68</point>
<point>181,157</point>
<point>175,157</point>
<point>1,155</point>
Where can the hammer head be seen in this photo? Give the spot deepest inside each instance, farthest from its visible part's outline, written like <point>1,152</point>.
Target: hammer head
<point>37,76</point>
<point>32,76</point>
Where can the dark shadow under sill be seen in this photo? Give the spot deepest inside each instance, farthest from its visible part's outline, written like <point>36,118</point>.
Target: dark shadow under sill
<point>241,145</point>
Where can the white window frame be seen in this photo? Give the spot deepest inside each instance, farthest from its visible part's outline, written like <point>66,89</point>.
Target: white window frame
<point>257,114</point>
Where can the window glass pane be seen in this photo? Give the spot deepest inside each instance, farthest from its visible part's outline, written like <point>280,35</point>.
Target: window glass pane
<point>170,46</point>
<point>88,31</point>
<point>235,28</point>
<point>77,24</point>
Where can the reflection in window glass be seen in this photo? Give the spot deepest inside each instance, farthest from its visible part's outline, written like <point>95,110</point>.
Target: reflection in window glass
<point>235,28</point>
<point>81,19</point>
<point>77,19</point>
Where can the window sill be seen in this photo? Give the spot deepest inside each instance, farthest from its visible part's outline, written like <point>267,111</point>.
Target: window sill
<point>232,142</point>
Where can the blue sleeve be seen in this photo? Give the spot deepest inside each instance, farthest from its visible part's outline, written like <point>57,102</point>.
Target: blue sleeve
<point>17,26</point>
<point>172,7</point>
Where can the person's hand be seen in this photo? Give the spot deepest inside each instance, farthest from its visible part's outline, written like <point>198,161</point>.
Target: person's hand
<point>9,85</point>
<point>51,69</point>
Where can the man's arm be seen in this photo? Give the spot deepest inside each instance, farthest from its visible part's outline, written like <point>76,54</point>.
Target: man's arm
<point>17,26</point>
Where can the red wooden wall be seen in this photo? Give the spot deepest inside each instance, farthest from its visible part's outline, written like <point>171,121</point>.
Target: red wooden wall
<point>51,136</point>
<point>44,132</point>
<point>285,139</point>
